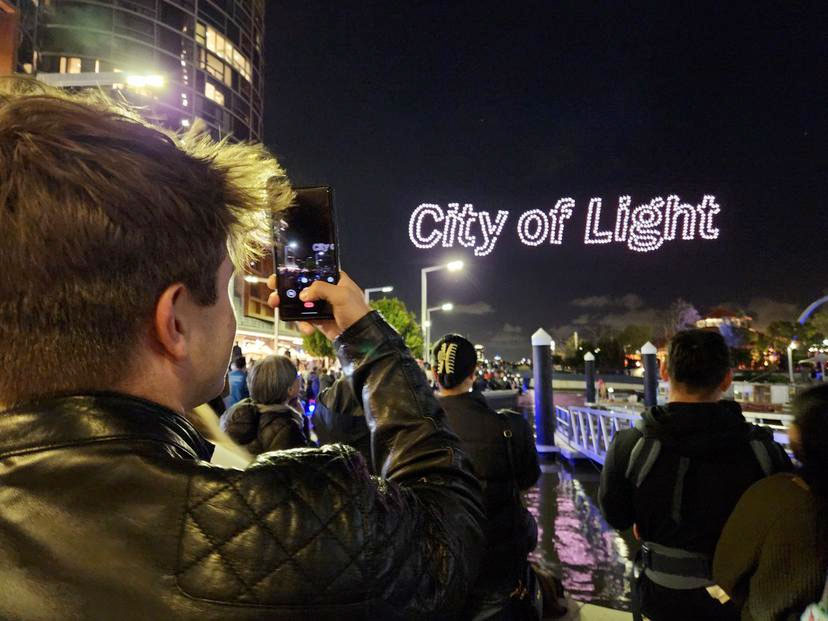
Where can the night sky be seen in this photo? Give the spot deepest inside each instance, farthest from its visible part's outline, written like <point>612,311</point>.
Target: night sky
<point>513,105</point>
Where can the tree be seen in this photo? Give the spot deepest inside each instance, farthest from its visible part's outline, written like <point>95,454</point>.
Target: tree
<point>633,337</point>
<point>610,356</point>
<point>818,323</point>
<point>680,316</point>
<point>402,320</point>
<point>317,345</point>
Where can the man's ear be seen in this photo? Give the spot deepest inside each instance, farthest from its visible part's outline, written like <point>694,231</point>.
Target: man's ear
<point>169,330</point>
<point>727,381</point>
<point>662,369</point>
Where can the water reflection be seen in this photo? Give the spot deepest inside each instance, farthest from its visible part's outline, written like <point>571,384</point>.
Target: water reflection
<point>593,560</point>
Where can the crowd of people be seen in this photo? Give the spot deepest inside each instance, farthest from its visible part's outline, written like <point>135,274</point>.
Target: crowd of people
<point>397,500</point>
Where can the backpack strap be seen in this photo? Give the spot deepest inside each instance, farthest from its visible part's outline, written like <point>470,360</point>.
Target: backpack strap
<point>642,457</point>
<point>767,452</point>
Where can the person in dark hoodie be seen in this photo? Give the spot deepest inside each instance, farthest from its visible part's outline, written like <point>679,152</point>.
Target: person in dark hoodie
<point>502,450</point>
<point>676,476</point>
<point>267,421</point>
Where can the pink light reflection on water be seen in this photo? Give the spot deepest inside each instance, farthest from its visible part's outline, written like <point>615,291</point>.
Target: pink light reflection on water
<point>574,540</point>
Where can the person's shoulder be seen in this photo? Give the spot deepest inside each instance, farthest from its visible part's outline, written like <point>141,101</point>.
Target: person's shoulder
<point>783,487</point>
<point>625,439</point>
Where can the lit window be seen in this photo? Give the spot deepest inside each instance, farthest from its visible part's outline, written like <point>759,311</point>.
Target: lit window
<point>228,75</point>
<point>97,66</point>
<point>74,65</point>
<point>224,49</point>
<point>215,67</point>
<point>211,92</point>
<point>63,64</point>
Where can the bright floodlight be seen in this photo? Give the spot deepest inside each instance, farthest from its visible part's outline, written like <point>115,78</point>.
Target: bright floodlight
<point>139,81</point>
<point>387,289</point>
<point>793,345</point>
<point>426,324</point>
<point>454,266</point>
<point>292,244</point>
<point>447,306</point>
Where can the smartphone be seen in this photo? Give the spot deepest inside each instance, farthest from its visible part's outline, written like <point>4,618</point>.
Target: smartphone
<point>305,249</point>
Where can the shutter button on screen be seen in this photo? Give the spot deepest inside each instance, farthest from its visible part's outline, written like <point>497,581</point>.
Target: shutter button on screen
<point>308,304</point>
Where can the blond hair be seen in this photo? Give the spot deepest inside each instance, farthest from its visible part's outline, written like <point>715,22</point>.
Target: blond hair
<point>100,212</point>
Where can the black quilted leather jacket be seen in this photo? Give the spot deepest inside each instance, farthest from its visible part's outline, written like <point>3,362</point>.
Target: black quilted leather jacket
<point>108,509</point>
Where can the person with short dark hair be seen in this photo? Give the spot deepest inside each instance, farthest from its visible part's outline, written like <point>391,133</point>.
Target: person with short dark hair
<point>109,505</point>
<point>772,556</point>
<point>505,465</point>
<point>676,476</point>
<point>266,421</point>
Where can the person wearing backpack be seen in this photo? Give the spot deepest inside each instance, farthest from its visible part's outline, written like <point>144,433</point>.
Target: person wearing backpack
<point>772,556</point>
<point>676,476</point>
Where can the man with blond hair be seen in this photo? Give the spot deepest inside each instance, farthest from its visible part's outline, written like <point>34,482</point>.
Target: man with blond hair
<point>120,241</point>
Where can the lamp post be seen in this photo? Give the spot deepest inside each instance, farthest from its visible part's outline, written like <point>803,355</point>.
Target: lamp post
<point>370,290</point>
<point>453,266</point>
<point>791,347</point>
<point>447,307</point>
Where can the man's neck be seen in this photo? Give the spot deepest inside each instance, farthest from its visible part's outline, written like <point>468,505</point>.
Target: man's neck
<point>682,396</point>
<point>462,389</point>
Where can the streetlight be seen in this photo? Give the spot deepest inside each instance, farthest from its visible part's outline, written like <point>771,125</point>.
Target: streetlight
<point>452,266</point>
<point>447,307</point>
<point>791,347</point>
<point>371,290</point>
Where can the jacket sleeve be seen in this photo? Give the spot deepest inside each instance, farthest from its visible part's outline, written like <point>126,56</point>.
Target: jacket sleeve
<point>431,499</point>
<point>529,468</point>
<point>616,492</point>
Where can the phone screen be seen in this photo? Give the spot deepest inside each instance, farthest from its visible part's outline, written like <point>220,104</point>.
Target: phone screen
<point>305,250</point>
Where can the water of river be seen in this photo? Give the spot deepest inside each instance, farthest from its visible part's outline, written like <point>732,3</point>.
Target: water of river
<point>593,560</point>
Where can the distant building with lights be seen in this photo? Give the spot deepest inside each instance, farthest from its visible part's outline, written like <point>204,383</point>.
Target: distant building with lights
<point>181,59</point>
<point>718,317</point>
<point>178,61</point>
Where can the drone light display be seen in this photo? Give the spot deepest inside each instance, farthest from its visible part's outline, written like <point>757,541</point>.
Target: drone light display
<point>643,228</point>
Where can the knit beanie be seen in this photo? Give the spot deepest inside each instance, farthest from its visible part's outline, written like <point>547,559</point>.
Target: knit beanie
<point>454,360</point>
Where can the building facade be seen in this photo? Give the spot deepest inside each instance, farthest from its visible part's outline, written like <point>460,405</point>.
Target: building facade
<point>181,59</point>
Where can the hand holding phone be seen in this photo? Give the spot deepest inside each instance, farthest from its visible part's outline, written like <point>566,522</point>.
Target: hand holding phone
<point>305,251</point>
<point>345,298</point>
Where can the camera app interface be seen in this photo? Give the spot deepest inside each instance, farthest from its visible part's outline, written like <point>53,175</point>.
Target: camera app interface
<point>306,251</point>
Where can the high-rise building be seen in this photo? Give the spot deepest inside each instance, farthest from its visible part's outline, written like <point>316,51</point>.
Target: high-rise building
<point>181,59</point>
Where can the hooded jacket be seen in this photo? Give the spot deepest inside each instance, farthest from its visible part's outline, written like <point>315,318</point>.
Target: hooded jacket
<point>260,428</point>
<point>109,508</point>
<point>686,512</point>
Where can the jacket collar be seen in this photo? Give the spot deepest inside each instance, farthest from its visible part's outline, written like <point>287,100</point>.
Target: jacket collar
<point>474,396</point>
<point>94,417</point>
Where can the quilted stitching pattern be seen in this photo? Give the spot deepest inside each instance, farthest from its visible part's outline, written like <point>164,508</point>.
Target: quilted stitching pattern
<point>268,536</point>
<point>311,526</point>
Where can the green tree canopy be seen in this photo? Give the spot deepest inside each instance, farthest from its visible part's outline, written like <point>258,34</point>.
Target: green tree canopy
<point>397,314</point>
<point>317,345</point>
